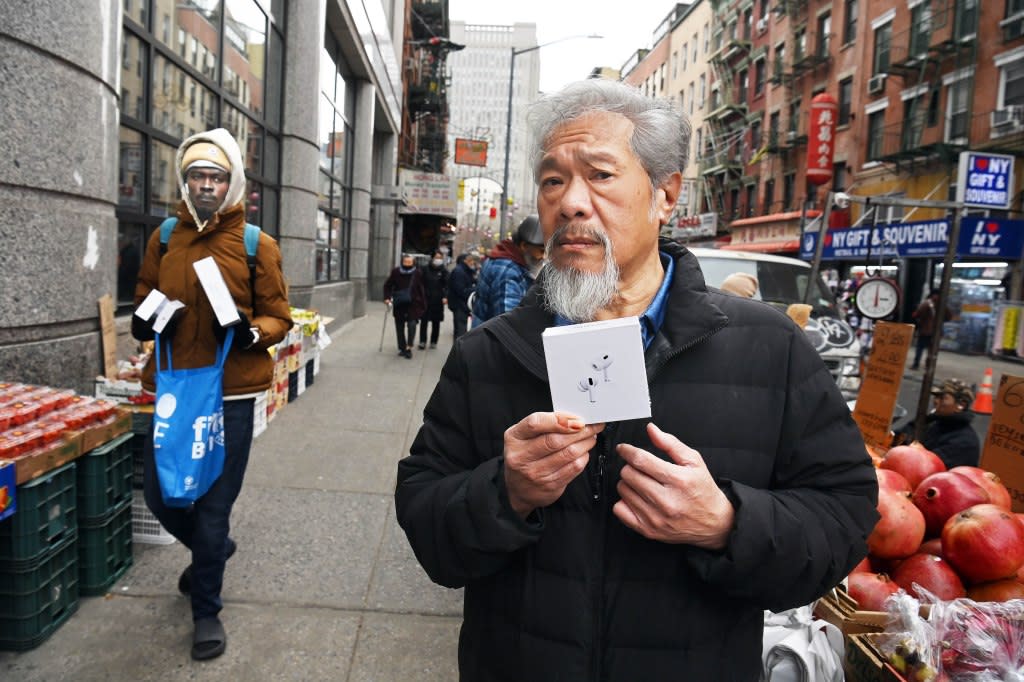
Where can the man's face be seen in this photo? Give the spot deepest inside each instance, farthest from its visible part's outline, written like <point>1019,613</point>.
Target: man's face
<point>407,262</point>
<point>945,404</point>
<point>591,179</point>
<point>207,188</point>
<point>532,254</point>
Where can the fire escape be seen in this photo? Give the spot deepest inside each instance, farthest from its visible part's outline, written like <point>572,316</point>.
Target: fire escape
<point>721,166</point>
<point>786,138</point>
<point>425,114</point>
<point>940,44</point>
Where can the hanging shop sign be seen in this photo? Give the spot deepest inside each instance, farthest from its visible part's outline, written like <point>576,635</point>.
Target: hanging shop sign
<point>821,139</point>
<point>985,180</point>
<point>427,193</point>
<point>470,152</point>
<point>691,226</point>
<point>979,237</point>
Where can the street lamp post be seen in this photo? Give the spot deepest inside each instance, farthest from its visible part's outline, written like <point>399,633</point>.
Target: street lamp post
<point>508,121</point>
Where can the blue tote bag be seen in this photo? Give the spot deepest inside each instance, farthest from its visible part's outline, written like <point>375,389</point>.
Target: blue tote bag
<point>188,426</point>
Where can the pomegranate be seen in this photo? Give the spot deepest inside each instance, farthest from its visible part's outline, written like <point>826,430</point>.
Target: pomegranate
<point>983,543</point>
<point>931,546</point>
<point>997,590</point>
<point>863,567</point>
<point>900,529</point>
<point>943,494</point>
<point>893,480</point>
<point>870,590</point>
<point>993,485</point>
<point>930,572</point>
<point>913,461</point>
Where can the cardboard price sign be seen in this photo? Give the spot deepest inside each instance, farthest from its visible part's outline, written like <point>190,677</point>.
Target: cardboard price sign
<point>1003,450</point>
<point>108,332</point>
<point>881,383</point>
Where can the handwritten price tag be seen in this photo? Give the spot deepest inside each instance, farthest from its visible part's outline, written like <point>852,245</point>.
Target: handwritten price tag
<point>1003,450</point>
<point>880,385</point>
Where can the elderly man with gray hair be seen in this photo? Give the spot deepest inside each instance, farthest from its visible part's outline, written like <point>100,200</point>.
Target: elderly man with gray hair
<point>636,550</point>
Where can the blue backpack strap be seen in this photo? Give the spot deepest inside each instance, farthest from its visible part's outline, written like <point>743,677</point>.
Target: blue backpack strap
<point>252,241</point>
<point>166,228</point>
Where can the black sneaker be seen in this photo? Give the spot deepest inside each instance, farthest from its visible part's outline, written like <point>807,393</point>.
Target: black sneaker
<point>185,580</point>
<point>433,345</point>
<point>422,346</point>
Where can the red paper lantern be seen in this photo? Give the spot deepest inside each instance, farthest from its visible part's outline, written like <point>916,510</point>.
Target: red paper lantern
<point>821,139</point>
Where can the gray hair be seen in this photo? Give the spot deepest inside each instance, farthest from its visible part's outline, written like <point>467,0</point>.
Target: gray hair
<point>661,133</point>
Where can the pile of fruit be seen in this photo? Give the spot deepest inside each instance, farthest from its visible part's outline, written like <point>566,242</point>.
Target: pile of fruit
<point>952,532</point>
<point>34,417</point>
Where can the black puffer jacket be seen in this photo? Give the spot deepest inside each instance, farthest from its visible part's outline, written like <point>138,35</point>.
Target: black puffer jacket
<point>953,439</point>
<point>572,594</point>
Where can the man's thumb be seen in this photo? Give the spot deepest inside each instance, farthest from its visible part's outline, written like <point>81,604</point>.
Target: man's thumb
<point>679,452</point>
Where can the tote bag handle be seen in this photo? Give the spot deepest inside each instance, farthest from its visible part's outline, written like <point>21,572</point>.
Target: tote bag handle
<point>222,352</point>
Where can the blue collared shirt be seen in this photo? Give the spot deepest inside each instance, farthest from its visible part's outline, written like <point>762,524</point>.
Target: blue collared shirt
<point>654,316</point>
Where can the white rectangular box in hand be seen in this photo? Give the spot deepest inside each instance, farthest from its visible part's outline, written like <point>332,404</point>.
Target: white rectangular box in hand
<point>596,370</point>
<point>145,528</point>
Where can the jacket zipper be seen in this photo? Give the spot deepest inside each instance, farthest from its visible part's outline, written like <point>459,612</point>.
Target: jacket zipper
<point>605,439</point>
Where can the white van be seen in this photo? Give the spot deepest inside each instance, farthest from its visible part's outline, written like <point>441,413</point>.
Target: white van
<point>782,281</point>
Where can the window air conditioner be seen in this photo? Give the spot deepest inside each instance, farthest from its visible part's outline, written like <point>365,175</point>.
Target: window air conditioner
<point>876,84</point>
<point>1012,115</point>
<point>762,25</point>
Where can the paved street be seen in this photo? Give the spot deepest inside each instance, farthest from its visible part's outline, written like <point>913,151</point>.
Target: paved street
<point>324,585</point>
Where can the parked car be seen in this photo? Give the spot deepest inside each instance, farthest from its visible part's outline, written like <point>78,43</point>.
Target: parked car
<point>783,281</point>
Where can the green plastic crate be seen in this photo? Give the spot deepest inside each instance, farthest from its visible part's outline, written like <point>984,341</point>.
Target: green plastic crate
<point>46,516</point>
<point>36,598</point>
<point>104,479</point>
<point>105,550</point>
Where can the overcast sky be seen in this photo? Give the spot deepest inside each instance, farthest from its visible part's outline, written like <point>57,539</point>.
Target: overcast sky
<point>626,25</point>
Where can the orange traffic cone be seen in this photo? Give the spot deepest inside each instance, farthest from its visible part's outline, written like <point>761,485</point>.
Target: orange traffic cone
<point>983,401</point>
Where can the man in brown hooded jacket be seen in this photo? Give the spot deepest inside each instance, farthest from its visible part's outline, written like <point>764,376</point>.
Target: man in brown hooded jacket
<point>211,222</point>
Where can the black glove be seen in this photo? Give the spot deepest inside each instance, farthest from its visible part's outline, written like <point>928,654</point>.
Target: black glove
<point>243,339</point>
<point>142,329</point>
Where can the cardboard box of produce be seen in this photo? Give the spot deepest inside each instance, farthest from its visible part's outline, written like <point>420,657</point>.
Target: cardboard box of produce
<point>96,435</point>
<point>866,663</point>
<point>38,462</point>
<point>841,610</point>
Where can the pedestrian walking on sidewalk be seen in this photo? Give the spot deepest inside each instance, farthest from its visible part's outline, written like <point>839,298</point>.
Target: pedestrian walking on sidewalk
<point>925,319</point>
<point>512,267</point>
<point>211,222</point>
<point>461,284</point>
<point>403,289</point>
<point>631,550</point>
<point>435,284</point>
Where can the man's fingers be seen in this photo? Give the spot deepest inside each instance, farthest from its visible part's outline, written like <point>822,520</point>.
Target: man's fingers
<point>542,423</point>
<point>675,448</point>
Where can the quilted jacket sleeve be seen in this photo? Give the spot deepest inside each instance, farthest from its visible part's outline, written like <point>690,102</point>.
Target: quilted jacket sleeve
<point>451,502</point>
<point>271,313</point>
<point>793,542</point>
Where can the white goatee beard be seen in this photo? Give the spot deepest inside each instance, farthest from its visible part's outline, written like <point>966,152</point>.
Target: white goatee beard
<point>574,294</point>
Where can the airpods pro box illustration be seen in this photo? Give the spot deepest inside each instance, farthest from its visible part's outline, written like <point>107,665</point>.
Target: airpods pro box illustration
<point>596,370</point>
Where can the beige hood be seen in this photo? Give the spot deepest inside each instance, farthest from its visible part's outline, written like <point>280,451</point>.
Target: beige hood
<point>236,188</point>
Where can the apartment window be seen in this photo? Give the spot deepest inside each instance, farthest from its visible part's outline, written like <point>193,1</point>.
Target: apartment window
<point>794,116</point>
<point>773,129</point>
<point>751,199</point>
<point>799,45</point>
<point>759,76</point>
<point>967,18</point>
<point>748,24</point>
<point>734,202</point>
<point>707,41</point>
<point>699,147</point>
<point>839,174</point>
<point>958,104</point>
<point>845,101</point>
<point>788,191</point>
<point>693,44</point>
<point>769,196</point>
<point>675,62</point>
<point>920,28</point>
<point>913,123</point>
<point>764,10</point>
<point>744,85</point>
<point>689,96</point>
<point>755,136</point>
<point>682,100</point>
<point>876,122</point>
<point>824,33</point>
<point>780,61</point>
<point>1011,84</point>
<point>883,43</point>
<point>703,91</point>
<point>850,22</point>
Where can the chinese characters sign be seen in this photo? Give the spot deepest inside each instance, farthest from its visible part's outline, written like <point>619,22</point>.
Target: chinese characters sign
<point>821,139</point>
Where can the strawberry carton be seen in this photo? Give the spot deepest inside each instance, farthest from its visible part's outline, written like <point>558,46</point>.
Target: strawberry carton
<point>17,442</point>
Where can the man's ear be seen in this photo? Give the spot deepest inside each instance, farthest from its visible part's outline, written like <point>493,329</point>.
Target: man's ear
<point>666,196</point>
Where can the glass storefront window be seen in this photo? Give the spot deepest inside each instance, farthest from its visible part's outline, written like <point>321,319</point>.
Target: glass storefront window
<point>131,170</point>
<point>136,10</point>
<point>164,188</point>
<point>191,29</point>
<point>185,106</point>
<point>249,135</point>
<point>326,132</point>
<point>254,203</point>
<point>324,191</point>
<point>134,68</point>
<point>130,247</point>
<point>245,40</point>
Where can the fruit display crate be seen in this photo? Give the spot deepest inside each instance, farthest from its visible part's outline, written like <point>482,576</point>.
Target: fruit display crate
<point>47,514</point>
<point>140,427</point>
<point>145,528</point>
<point>105,550</point>
<point>38,596</point>
<point>104,479</point>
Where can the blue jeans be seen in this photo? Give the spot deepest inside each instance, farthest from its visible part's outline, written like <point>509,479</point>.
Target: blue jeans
<point>204,526</point>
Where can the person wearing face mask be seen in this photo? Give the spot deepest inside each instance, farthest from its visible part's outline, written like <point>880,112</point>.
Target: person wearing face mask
<point>404,289</point>
<point>510,270</point>
<point>461,285</point>
<point>435,282</point>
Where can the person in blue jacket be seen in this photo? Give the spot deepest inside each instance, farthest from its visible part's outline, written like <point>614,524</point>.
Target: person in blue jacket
<point>510,270</point>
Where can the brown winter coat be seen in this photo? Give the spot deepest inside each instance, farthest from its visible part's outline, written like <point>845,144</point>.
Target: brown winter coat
<point>194,343</point>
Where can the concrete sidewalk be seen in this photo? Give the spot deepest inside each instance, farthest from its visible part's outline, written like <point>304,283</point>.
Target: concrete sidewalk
<point>324,585</point>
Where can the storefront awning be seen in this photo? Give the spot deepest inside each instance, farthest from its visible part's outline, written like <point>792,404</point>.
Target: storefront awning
<point>786,217</point>
<point>781,246</point>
